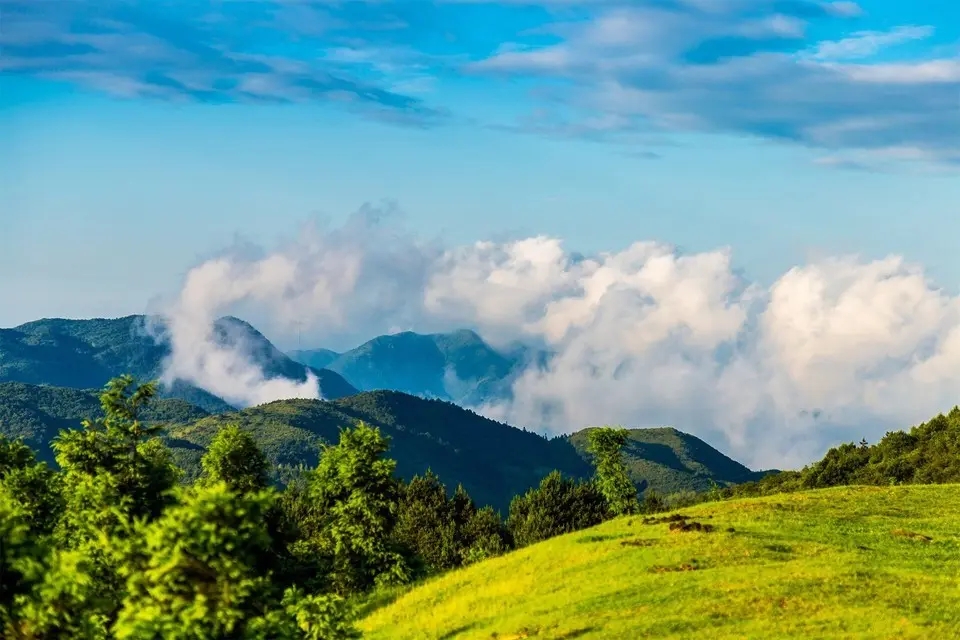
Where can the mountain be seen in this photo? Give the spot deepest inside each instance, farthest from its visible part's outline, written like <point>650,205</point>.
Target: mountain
<point>457,366</point>
<point>38,413</point>
<point>316,358</point>
<point>669,461</point>
<point>494,461</point>
<point>85,354</point>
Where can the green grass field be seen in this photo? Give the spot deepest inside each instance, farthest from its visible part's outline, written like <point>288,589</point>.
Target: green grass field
<point>838,563</point>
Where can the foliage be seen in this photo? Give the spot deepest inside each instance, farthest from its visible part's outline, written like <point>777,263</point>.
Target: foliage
<point>32,485</point>
<point>493,461</point>
<point>444,531</point>
<point>606,447</point>
<point>559,505</point>
<point>197,572</point>
<point>928,453</point>
<point>21,561</point>
<point>355,494</point>
<point>235,459</point>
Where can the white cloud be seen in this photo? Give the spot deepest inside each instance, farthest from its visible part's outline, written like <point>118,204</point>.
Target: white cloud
<point>864,44</point>
<point>744,67</point>
<point>833,350</point>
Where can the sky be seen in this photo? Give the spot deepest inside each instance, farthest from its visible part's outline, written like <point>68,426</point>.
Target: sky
<point>778,162</point>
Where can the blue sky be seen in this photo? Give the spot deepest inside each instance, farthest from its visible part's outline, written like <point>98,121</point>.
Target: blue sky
<point>137,138</point>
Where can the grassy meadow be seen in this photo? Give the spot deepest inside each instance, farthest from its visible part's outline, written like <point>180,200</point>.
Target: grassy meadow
<point>849,562</point>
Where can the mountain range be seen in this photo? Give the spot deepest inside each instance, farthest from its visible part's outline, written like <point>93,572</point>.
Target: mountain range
<point>457,366</point>
<point>51,370</point>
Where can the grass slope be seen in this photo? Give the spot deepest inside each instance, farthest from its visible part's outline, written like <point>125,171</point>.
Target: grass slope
<point>862,562</point>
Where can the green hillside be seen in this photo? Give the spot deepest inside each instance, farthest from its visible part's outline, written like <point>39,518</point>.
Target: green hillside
<point>836,563</point>
<point>38,413</point>
<point>85,354</point>
<point>669,461</point>
<point>494,461</point>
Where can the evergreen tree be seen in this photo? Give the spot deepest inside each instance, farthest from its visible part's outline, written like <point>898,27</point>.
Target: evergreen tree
<point>559,505</point>
<point>426,523</point>
<point>31,484</point>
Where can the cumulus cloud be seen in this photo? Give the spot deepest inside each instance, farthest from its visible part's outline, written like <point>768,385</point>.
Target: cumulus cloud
<point>833,350</point>
<point>334,279</point>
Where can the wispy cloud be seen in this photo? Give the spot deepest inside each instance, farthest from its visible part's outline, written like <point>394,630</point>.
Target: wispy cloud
<point>863,44</point>
<point>746,67</point>
<point>610,70</point>
<point>244,51</point>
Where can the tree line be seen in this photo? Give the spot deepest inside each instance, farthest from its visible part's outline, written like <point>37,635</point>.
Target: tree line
<point>112,543</point>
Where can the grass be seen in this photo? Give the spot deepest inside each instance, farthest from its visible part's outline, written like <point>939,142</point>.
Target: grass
<point>852,562</point>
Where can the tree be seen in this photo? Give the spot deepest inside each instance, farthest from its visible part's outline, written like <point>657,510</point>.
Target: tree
<point>235,459</point>
<point>115,473</point>
<point>426,524</point>
<point>21,563</point>
<point>117,455</point>
<point>606,446</point>
<point>197,569</point>
<point>31,484</point>
<point>355,498</point>
<point>446,532</point>
<point>559,505</point>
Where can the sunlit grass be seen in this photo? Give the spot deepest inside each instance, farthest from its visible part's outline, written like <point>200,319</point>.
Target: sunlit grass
<point>849,562</point>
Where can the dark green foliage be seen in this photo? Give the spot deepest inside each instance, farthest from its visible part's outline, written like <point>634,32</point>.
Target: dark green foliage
<point>444,531</point>
<point>559,505</point>
<point>606,447</point>
<point>36,414</point>
<point>493,461</point>
<point>234,459</point>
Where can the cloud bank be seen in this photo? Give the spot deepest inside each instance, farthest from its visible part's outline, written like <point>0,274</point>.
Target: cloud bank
<point>833,350</point>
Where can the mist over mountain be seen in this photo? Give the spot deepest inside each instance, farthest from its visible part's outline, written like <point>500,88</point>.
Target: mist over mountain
<point>85,354</point>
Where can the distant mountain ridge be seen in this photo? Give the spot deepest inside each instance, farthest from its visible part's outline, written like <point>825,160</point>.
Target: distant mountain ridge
<point>457,366</point>
<point>85,354</point>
